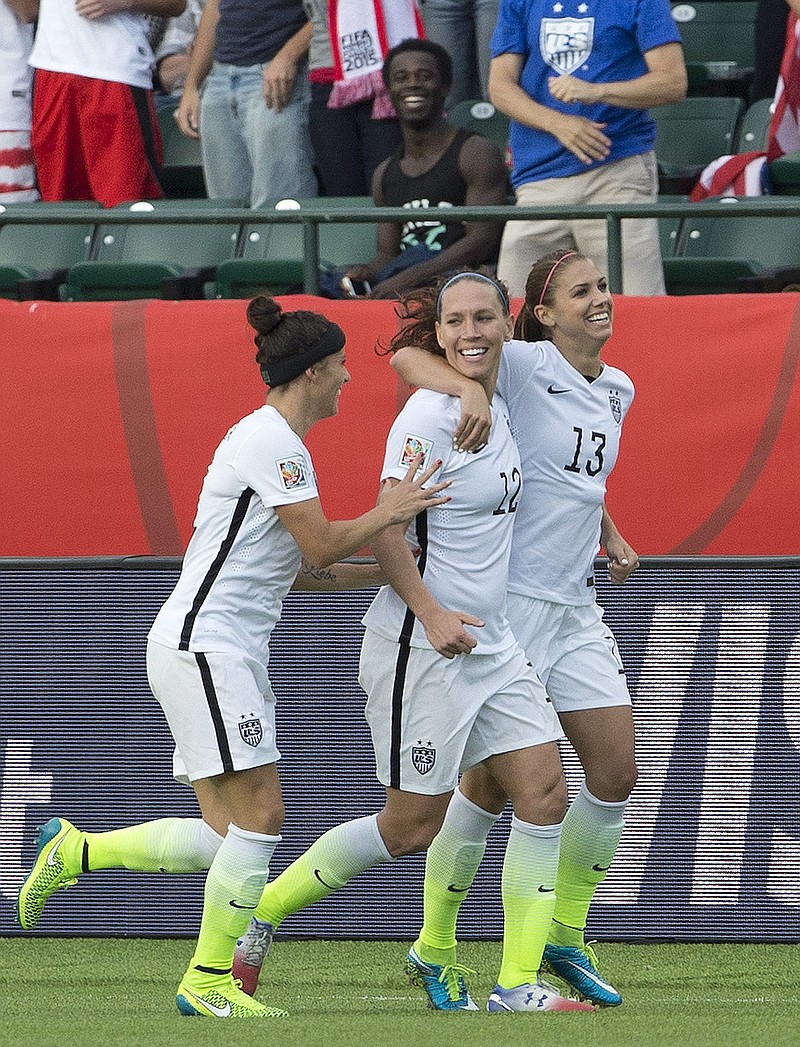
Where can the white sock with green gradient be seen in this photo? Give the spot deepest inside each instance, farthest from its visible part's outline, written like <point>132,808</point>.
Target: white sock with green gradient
<point>170,845</point>
<point>528,887</point>
<point>330,862</point>
<point>451,863</point>
<point>234,884</point>
<point>589,841</point>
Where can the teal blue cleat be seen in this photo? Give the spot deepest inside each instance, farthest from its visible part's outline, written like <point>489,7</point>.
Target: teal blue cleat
<point>57,865</point>
<point>445,985</point>
<point>578,968</point>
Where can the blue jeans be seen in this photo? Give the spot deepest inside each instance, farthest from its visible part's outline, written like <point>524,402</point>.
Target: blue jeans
<point>464,29</point>
<point>250,152</point>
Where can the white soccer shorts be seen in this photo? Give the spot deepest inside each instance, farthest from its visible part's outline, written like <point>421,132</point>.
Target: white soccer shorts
<point>432,717</point>
<point>573,651</point>
<point>220,709</point>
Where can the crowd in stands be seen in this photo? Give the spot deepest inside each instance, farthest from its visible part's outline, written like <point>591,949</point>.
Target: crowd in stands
<point>296,98</point>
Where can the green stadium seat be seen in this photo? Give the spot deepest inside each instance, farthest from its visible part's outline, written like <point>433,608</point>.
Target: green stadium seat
<point>669,228</point>
<point>181,175</point>
<point>271,258</point>
<point>718,45</point>
<point>483,118</point>
<point>692,133</point>
<point>754,128</point>
<point>34,257</point>
<point>785,172</point>
<point>725,255</point>
<point>154,260</point>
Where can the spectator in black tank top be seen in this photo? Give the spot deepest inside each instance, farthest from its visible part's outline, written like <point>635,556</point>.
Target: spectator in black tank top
<point>437,164</point>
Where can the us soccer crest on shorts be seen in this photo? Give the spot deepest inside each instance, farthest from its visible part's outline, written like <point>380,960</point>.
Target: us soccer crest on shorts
<point>414,445</point>
<point>251,730</point>
<point>423,757</point>
<point>292,472</point>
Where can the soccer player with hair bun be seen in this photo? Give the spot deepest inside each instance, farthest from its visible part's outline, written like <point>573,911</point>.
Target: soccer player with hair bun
<point>259,528</point>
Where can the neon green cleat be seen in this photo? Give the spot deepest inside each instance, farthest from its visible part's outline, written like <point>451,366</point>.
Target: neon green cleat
<point>57,865</point>
<point>220,997</point>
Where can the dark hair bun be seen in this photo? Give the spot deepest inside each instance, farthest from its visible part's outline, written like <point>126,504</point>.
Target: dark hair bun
<point>264,314</point>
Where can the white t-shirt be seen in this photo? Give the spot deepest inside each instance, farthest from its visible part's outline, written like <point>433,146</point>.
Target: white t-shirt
<point>568,431</point>
<point>241,560</point>
<point>16,39</point>
<point>465,543</point>
<point>113,48</point>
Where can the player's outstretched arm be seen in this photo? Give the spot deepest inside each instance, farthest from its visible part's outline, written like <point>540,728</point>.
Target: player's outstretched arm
<point>324,542</point>
<point>422,369</point>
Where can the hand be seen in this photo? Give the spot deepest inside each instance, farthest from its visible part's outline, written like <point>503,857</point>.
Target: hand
<point>407,498</point>
<point>584,138</point>
<point>446,633</point>
<point>622,560</point>
<point>570,89</point>
<point>172,70</point>
<point>475,422</point>
<point>279,77</point>
<point>187,115</point>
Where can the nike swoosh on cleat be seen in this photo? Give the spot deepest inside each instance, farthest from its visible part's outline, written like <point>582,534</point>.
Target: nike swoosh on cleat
<point>220,1012</point>
<point>457,890</point>
<point>317,874</point>
<point>237,906</point>
<point>545,890</point>
<point>591,976</point>
<point>552,389</point>
<point>601,868</point>
<point>50,860</point>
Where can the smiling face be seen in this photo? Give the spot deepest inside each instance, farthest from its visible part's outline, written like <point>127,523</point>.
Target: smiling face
<point>416,89</point>
<point>332,375</point>
<point>472,328</point>
<point>580,311</point>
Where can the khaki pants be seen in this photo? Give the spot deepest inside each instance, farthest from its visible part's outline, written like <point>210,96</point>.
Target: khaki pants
<point>632,180</point>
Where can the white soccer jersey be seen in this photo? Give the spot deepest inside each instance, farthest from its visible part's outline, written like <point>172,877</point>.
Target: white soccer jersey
<point>16,39</point>
<point>241,560</point>
<point>568,431</point>
<point>113,48</point>
<point>466,543</point>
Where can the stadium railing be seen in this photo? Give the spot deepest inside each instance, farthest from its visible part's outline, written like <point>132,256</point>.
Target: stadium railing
<point>312,220</point>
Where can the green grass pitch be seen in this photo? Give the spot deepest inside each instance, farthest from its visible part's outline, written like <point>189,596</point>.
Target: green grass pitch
<point>71,992</point>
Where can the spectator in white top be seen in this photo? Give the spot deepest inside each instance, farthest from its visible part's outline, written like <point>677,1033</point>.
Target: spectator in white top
<point>17,179</point>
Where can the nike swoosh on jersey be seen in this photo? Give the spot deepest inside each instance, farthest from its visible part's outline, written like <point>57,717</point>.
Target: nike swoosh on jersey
<point>330,888</point>
<point>221,1012</point>
<point>237,906</point>
<point>552,389</point>
<point>545,890</point>
<point>601,868</point>
<point>457,890</point>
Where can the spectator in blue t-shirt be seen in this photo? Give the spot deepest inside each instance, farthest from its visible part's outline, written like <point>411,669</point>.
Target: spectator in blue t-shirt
<point>577,78</point>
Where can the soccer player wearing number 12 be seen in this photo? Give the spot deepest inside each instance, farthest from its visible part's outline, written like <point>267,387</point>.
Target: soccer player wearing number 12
<point>448,690</point>
<point>567,408</point>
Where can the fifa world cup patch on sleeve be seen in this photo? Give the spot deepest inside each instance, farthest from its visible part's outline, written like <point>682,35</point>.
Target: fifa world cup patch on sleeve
<point>293,473</point>
<point>414,445</point>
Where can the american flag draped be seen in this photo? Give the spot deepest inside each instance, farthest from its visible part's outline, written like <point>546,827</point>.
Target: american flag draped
<point>746,174</point>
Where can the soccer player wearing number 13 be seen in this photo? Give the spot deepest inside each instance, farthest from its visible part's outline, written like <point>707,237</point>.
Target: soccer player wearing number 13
<point>567,409</point>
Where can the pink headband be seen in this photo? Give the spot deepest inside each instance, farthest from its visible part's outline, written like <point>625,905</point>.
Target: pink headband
<point>569,254</point>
